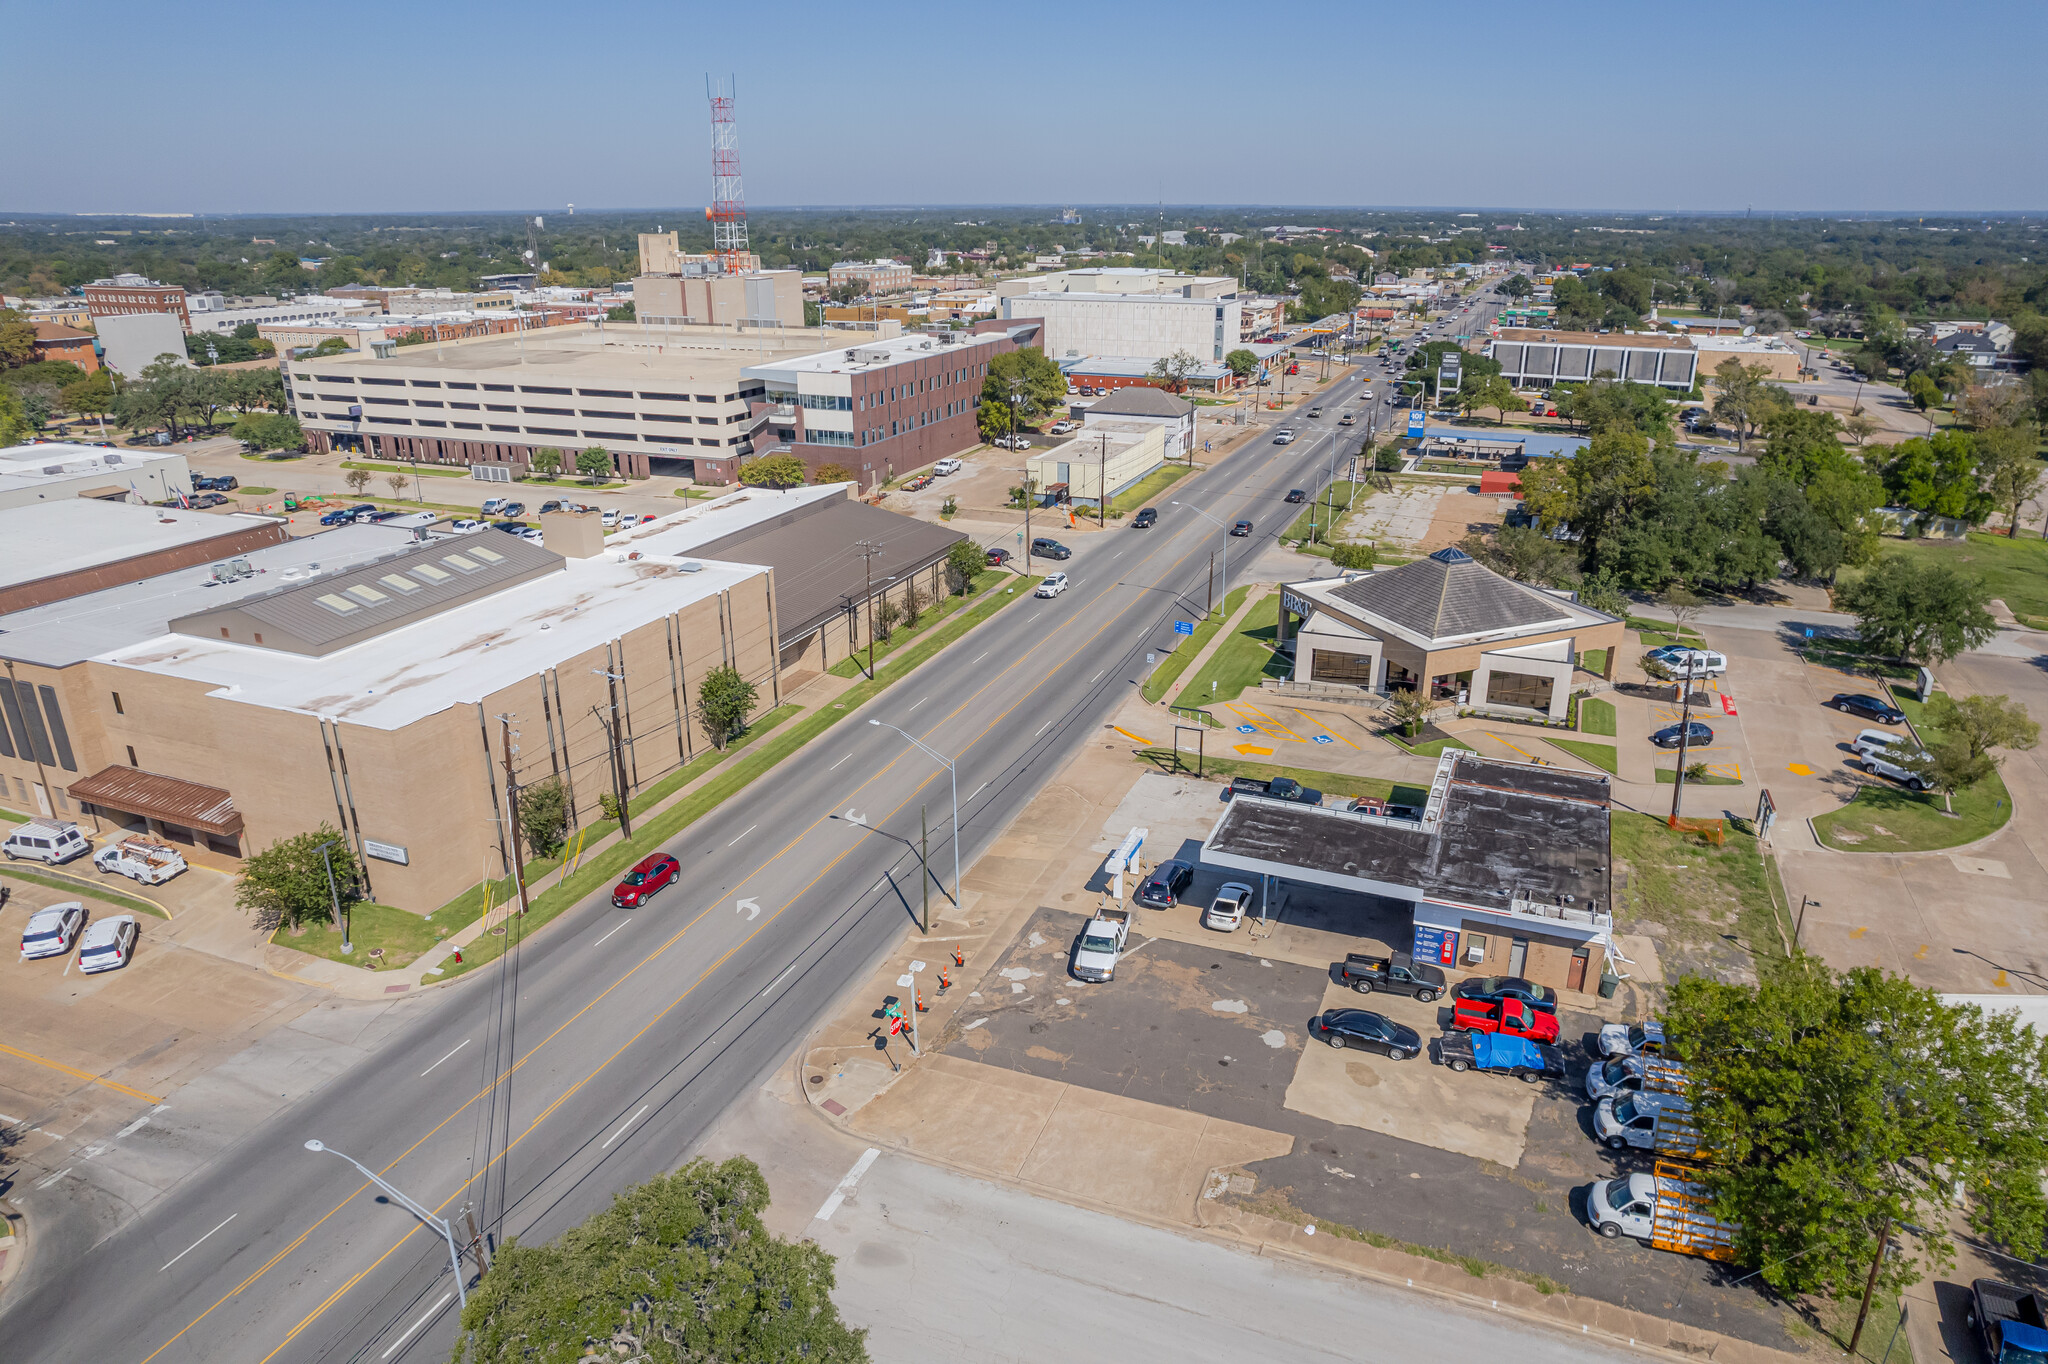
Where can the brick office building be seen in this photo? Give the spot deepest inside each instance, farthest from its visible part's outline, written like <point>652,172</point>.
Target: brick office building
<point>878,408</point>
<point>124,295</point>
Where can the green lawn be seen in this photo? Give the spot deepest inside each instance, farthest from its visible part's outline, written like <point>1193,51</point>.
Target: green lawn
<point>1174,664</point>
<point>1885,818</point>
<point>1665,632</point>
<point>1602,756</point>
<point>1318,513</point>
<point>1668,776</point>
<point>1697,890</point>
<point>697,494</point>
<point>987,586</point>
<point>2016,571</point>
<point>424,470</point>
<point>13,816</point>
<point>1596,716</point>
<point>1241,660</point>
<point>273,454</point>
<point>401,934</point>
<point>84,889</point>
<point>1593,661</point>
<point>531,482</point>
<point>246,491</point>
<point>1431,748</point>
<point>1148,488</point>
<point>1338,784</point>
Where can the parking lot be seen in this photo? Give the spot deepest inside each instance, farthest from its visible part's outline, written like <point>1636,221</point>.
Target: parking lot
<point>1474,1164</point>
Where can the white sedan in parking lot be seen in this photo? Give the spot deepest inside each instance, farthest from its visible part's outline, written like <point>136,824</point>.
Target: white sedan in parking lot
<point>1228,909</point>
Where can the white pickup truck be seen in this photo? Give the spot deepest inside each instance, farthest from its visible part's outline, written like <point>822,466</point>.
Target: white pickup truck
<point>1666,1210</point>
<point>1102,942</point>
<point>138,859</point>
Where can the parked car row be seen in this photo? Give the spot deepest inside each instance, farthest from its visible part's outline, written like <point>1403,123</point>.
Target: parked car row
<point>103,944</point>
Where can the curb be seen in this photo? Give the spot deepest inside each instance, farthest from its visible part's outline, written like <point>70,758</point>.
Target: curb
<point>99,888</point>
<point>1917,852</point>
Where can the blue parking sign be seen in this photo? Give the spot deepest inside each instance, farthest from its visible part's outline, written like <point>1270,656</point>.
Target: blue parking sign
<point>1247,729</point>
<point>1183,627</point>
<point>1324,739</point>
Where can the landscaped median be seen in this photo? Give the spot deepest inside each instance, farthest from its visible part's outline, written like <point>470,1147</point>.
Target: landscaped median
<point>1244,657</point>
<point>1887,818</point>
<point>735,771</point>
<point>59,881</point>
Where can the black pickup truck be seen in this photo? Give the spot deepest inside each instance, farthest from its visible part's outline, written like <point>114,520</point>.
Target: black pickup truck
<point>1395,974</point>
<point>1280,788</point>
<point>2009,1322</point>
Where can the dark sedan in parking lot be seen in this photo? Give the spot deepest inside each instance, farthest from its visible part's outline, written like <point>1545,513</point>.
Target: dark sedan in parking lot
<point>1670,736</point>
<point>1490,988</point>
<point>1163,887</point>
<point>1366,1030</point>
<point>1869,707</point>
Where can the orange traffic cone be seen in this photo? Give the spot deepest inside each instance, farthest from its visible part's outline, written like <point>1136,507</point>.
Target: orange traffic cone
<point>958,960</point>
<point>919,996</point>
<point>945,980</point>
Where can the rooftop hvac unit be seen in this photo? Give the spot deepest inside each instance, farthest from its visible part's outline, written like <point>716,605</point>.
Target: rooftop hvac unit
<point>926,346</point>
<point>849,357</point>
<point>229,570</point>
<point>112,457</point>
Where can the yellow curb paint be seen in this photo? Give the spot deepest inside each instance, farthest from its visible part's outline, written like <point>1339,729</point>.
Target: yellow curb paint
<point>78,1074</point>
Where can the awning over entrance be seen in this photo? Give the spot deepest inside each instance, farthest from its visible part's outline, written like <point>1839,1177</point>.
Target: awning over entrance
<point>152,795</point>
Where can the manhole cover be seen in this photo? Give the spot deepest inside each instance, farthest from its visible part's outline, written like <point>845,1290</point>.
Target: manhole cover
<point>817,1079</point>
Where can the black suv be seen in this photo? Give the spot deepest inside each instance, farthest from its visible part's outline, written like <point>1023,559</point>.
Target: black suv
<point>1869,707</point>
<point>1050,549</point>
<point>1163,887</point>
<point>1297,495</point>
<point>1146,516</point>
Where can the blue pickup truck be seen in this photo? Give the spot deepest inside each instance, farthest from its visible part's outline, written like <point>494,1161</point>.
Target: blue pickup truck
<point>1517,1056</point>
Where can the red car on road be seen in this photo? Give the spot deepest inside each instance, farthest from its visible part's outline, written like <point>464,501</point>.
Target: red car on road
<point>1507,1016</point>
<point>650,875</point>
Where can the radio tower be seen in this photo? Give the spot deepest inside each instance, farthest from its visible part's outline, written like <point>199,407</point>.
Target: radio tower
<point>728,211</point>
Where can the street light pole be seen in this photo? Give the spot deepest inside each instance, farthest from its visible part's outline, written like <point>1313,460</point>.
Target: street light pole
<point>1684,734</point>
<point>952,772</point>
<point>438,1224</point>
<point>1225,552</point>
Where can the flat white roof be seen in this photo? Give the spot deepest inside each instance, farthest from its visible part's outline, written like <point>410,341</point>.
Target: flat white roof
<point>892,350</point>
<point>25,466</point>
<point>455,657</point>
<point>50,538</point>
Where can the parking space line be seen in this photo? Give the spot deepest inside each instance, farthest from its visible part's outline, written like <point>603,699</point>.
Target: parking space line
<point>78,1074</point>
<point>1309,720</point>
<point>1517,747</point>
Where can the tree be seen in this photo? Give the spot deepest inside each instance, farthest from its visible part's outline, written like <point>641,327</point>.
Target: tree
<point>594,463</point>
<point>1947,765</point>
<point>834,473</point>
<point>357,480</point>
<point>1525,554</point>
<point>1038,383</point>
<point>546,461</point>
<point>1911,608</point>
<point>1173,370</point>
<point>1982,723</point>
<point>544,816</point>
<point>773,471</point>
<point>1353,558</point>
<point>724,701</point>
<point>1602,592</point>
<point>14,424</point>
<point>287,882</point>
<point>1859,428</point>
<point>1594,492</point>
<point>1840,1107</point>
<point>1492,390</point>
<point>1241,362</point>
<point>276,431</point>
<point>1743,399</point>
<point>398,483</point>
<point>89,397</point>
<point>1517,286</point>
<point>1409,710</point>
<point>17,340</point>
<point>887,613</point>
<point>965,561</point>
<point>1922,389</point>
<point>2011,472</point>
<point>1938,475</point>
<point>678,1269</point>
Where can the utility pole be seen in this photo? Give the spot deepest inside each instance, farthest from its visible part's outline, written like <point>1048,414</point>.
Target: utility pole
<point>1016,390</point>
<point>1102,484</point>
<point>924,865</point>
<point>1884,1237</point>
<point>1684,737</point>
<point>612,680</point>
<point>512,807</point>
<point>868,549</point>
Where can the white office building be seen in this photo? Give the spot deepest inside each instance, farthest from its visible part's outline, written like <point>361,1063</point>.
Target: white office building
<point>1139,326</point>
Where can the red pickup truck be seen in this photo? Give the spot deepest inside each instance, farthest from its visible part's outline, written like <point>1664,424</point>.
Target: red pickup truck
<point>1509,1016</point>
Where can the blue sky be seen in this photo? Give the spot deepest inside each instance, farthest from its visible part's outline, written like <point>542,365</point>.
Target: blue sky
<point>232,106</point>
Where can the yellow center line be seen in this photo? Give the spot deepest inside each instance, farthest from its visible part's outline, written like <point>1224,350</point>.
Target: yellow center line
<point>673,1005</point>
<point>78,1074</point>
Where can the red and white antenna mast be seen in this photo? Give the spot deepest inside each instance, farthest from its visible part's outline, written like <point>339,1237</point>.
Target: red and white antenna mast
<point>728,211</point>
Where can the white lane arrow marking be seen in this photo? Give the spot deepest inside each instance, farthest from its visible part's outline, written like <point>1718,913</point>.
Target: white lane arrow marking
<point>853,816</point>
<point>748,908</point>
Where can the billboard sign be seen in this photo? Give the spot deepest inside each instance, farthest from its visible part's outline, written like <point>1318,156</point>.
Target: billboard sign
<point>1415,420</point>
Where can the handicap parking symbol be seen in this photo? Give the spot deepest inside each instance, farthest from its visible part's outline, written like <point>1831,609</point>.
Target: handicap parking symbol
<point>1247,729</point>
<point>1324,739</point>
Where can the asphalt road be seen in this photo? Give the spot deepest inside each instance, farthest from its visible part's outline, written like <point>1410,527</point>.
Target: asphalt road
<point>940,1266</point>
<point>632,1032</point>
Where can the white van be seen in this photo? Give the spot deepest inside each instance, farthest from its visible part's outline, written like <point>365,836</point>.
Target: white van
<point>42,840</point>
